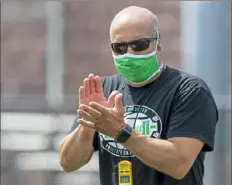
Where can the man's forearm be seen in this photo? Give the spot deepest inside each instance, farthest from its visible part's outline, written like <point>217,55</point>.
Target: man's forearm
<point>161,155</point>
<point>76,149</point>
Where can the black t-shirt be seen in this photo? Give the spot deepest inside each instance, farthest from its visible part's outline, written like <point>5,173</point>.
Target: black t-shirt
<point>177,104</point>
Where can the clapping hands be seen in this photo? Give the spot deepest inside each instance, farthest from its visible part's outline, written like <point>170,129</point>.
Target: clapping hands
<point>105,116</point>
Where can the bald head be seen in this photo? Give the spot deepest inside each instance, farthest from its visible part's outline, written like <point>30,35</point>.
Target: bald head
<point>133,22</point>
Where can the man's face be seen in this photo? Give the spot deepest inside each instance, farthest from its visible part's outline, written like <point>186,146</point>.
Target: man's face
<point>129,31</point>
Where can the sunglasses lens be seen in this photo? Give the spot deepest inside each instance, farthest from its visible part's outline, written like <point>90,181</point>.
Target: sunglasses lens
<point>140,45</point>
<point>119,48</point>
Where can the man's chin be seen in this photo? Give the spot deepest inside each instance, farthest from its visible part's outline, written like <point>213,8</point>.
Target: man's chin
<point>146,82</point>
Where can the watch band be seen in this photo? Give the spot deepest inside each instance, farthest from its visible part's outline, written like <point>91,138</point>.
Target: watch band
<point>124,135</point>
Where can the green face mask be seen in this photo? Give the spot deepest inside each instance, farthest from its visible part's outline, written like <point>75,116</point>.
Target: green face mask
<point>137,68</point>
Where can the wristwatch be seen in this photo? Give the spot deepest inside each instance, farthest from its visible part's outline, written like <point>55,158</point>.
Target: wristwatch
<point>124,135</point>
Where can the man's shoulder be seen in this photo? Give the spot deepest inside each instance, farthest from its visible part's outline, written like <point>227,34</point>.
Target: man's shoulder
<point>186,80</point>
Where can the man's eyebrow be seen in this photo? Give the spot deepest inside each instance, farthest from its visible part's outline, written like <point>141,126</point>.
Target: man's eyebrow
<point>140,38</point>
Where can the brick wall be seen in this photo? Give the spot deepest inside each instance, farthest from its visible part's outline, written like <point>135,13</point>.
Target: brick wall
<point>86,42</point>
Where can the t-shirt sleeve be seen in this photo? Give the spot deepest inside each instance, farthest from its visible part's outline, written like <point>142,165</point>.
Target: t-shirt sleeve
<point>95,138</point>
<point>194,114</point>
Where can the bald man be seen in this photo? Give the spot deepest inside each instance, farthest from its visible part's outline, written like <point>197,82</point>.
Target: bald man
<point>152,124</point>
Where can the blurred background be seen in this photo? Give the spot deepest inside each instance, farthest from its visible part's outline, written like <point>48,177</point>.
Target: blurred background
<point>48,48</point>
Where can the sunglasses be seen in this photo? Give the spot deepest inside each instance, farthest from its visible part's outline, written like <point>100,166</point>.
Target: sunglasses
<point>136,45</point>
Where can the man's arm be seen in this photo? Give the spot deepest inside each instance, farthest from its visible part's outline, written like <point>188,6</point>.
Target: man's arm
<point>191,129</point>
<point>77,148</point>
<point>173,157</point>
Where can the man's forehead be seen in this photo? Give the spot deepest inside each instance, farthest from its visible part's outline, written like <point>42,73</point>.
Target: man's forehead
<point>130,32</point>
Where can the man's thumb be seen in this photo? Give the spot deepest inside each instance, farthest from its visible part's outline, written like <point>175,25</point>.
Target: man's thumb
<point>111,98</point>
<point>119,103</point>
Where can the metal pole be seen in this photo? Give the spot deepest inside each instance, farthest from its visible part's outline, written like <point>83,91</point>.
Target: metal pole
<point>54,53</point>
<point>205,44</point>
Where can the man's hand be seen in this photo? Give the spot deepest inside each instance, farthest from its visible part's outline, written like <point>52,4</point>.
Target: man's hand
<point>109,121</point>
<point>92,91</point>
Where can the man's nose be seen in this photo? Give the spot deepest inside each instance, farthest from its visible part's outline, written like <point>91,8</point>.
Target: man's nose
<point>129,50</point>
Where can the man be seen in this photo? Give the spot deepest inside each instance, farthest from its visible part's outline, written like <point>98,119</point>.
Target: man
<point>156,120</point>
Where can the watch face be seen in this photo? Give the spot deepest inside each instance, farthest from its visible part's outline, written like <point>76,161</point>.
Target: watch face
<point>124,135</point>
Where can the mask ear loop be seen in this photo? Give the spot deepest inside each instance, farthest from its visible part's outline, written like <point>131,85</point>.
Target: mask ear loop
<point>157,40</point>
<point>156,47</point>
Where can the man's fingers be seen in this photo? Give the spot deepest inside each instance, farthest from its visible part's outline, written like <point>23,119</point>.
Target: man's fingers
<point>92,83</point>
<point>118,102</point>
<point>100,108</point>
<point>112,98</point>
<point>98,84</point>
<point>86,86</point>
<point>81,94</point>
<point>86,123</point>
<point>85,115</point>
<point>91,111</point>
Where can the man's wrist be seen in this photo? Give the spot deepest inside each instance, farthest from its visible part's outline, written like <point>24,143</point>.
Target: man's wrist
<point>124,134</point>
<point>86,131</point>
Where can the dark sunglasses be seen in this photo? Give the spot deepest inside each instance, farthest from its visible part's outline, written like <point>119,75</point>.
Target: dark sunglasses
<point>136,45</point>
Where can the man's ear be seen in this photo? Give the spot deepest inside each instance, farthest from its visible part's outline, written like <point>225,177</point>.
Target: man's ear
<point>159,47</point>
